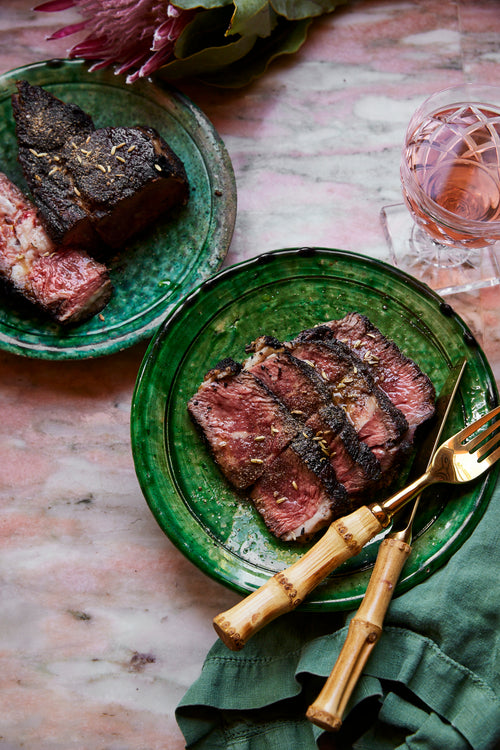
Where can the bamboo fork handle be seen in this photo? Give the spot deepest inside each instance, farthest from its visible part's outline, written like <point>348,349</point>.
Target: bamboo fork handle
<point>287,589</point>
<point>363,633</point>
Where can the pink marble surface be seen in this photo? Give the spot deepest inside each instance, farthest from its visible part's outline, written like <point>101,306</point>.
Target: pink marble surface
<point>104,624</point>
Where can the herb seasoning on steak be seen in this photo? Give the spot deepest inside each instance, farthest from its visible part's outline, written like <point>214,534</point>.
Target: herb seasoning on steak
<point>93,186</point>
<point>307,395</point>
<point>339,433</point>
<point>298,494</point>
<point>398,376</point>
<point>376,420</point>
<point>245,426</point>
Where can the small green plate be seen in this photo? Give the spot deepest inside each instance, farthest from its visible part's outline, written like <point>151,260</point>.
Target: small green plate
<point>161,265</point>
<point>279,294</point>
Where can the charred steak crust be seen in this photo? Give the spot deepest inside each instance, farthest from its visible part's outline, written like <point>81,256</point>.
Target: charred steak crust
<point>293,381</point>
<point>349,379</point>
<point>345,435</point>
<point>410,389</point>
<point>304,392</point>
<point>93,186</point>
<point>355,464</point>
<point>299,495</point>
<point>314,458</point>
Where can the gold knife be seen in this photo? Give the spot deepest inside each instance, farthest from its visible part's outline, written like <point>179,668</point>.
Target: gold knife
<point>365,628</point>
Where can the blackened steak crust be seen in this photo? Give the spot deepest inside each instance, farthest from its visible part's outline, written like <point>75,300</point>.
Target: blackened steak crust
<point>292,380</point>
<point>92,186</point>
<point>244,424</point>
<point>305,393</point>
<point>377,422</point>
<point>342,434</point>
<point>354,463</point>
<point>399,377</point>
<point>299,494</point>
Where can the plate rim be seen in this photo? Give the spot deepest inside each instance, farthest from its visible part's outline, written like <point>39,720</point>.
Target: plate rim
<point>224,187</point>
<point>221,576</point>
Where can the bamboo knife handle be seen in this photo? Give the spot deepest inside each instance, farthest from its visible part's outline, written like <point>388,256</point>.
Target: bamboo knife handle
<point>364,631</point>
<point>287,589</point>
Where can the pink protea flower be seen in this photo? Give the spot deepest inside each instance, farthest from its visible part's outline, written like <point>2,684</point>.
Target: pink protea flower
<point>133,34</point>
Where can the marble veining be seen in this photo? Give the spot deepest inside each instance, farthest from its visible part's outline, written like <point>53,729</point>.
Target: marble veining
<point>104,624</point>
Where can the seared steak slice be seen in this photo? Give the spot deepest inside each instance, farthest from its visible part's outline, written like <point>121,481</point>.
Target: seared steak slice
<point>376,420</point>
<point>292,380</point>
<point>304,392</point>
<point>397,375</point>
<point>244,424</point>
<point>93,186</point>
<point>354,463</point>
<point>65,283</point>
<point>299,494</point>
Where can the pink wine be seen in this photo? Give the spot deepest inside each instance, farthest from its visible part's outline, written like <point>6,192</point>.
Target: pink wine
<point>451,174</point>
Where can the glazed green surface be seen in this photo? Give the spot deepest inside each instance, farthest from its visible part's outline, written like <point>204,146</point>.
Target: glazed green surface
<point>158,267</point>
<point>280,294</point>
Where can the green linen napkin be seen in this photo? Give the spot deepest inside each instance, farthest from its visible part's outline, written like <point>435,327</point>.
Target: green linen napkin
<point>431,683</point>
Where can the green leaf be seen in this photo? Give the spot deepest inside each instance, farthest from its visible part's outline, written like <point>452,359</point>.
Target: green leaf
<point>285,40</point>
<point>253,17</point>
<point>207,29</point>
<point>229,43</point>
<point>294,10</point>
<point>204,47</point>
<point>205,4</point>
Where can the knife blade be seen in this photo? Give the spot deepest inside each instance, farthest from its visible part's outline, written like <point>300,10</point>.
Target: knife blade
<point>365,628</point>
<point>403,526</point>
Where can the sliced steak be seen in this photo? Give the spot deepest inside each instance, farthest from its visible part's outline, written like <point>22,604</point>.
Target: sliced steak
<point>304,392</point>
<point>292,380</point>
<point>93,186</point>
<point>65,283</point>
<point>399,377</point>
<point>354,463</point>
<point>299,494</point>
<point>378,423</point>
<point>244,424</point>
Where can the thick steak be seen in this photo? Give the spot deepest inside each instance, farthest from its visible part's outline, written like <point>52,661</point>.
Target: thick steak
<point>93,186</point>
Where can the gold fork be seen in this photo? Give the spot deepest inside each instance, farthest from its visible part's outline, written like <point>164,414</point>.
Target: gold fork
<point>457,460</point>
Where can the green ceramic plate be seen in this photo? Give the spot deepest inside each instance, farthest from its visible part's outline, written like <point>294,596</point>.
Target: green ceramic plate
<point>153,272</point>
<point>281,293</point>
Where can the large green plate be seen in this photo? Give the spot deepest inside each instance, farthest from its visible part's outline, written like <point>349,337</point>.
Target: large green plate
<point>279,294</point>
<point>153,272</point>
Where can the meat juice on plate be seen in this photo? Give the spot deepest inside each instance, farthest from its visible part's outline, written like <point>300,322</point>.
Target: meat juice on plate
<point>451,174</point>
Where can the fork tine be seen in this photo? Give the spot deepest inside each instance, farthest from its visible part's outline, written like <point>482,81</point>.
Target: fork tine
<point>484,449</point>
<point>482,435</point>
<point>471,428</point>
<point>492,458</point>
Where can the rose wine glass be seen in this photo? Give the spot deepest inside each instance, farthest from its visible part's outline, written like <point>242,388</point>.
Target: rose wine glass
<point>450,177</point>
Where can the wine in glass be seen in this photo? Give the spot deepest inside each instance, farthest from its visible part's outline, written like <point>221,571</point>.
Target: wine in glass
<point>450,177</point>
